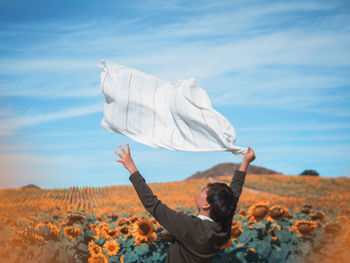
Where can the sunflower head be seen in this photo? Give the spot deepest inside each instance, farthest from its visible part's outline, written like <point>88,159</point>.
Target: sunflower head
<point>167,237</point>
<point>133,219</point>
<point>304,227</point>
<point>236,231</point>
<point>258,211</point>
<point>112,247</point>
<point>109,233</point>
<point>99,258</point>
<point>72,233</point>
<point>278,213</point>
<point>317,216</point>
<point>124,221</point>
<point>305,211</point>
<point>94,249</point>
<point>307,206</point>
<point>125,231</point>
<point>242,212</point>
<point>143,231</point>
<point>72,218</point>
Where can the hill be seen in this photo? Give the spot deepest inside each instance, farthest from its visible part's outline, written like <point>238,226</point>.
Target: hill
<point>31,186</point>
<point>227,169</point>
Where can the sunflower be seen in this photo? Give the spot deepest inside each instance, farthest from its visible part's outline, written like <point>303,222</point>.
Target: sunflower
<point>143,231</point>
<point>167,237</point>
<point>125,231</point>
<point>72,218</point>
<point>235,222</point>
<point>134,219</point>
<point>304,227</point>
<point>104,231</point>
<point>124,221</point>
<point>258,211</point>
<point>42,223</point>
<point>242,212</point>
<point>25,234</point>
<point>100,227</point>
<point>228,244</point>
<point>307,206</point>
<point>54,230</point>
<point>72,233</point>
<point>289,215</point>
<point>112,216</point>
<point>112,247</point>
<point>39,238</point>
<point>236,231</point>
<point>99,258</point>
<point>93,228</point>
<point>30,222</point>
<point>317,216</point>
<point>109,233</point>
<point>305,211</point>
<point>94,249</point>
<point>278,213</point>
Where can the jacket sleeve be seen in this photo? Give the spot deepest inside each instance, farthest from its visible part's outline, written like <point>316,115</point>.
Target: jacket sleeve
<point>237,183</point>
<point>177,223</point>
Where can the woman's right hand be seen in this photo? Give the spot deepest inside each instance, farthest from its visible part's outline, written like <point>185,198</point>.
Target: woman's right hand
<point>249,155</point>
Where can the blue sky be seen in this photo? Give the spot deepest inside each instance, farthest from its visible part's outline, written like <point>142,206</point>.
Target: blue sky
<point>279,71</point>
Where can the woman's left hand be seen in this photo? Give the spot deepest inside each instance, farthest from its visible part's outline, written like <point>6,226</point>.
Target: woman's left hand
<point>126,159</point>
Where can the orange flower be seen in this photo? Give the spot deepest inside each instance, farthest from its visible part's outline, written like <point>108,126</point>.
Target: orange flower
<point>236,231</point>
<point>72,233</point>
<point>258,211</point>
<point>304,227</point>
<point>143,231</point>
<point>99,258</point>
<point>125,231</point>
<point>278,213</point>
<point>112,247</point>
<point>94,249</point>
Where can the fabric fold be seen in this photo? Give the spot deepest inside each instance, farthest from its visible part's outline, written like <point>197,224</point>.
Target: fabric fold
<point>176,116</point>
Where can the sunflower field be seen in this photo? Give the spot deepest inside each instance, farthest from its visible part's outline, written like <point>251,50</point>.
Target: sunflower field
<point>279,218</point>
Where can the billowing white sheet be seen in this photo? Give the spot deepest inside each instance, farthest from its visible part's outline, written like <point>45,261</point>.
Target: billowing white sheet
<point>175,116</point>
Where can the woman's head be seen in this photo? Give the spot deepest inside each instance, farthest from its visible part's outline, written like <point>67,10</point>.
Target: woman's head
<point>219,201</point>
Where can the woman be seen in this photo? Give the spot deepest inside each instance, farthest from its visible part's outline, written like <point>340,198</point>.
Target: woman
<point>196,238</point>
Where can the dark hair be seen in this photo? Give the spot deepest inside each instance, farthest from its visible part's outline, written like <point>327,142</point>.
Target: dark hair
<point>222,202</point>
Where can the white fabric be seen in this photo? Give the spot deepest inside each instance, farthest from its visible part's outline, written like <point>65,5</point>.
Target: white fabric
<point>175,116</point>
<point>205,218</point>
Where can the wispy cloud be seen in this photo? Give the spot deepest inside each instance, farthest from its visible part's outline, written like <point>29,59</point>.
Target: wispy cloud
<point>9,126</point>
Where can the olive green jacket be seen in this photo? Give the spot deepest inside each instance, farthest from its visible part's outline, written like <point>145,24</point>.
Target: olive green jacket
<point>195,240</point>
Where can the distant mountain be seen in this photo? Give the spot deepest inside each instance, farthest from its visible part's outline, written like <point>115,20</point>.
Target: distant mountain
<point>227,169</point>
<point>31,186</point>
